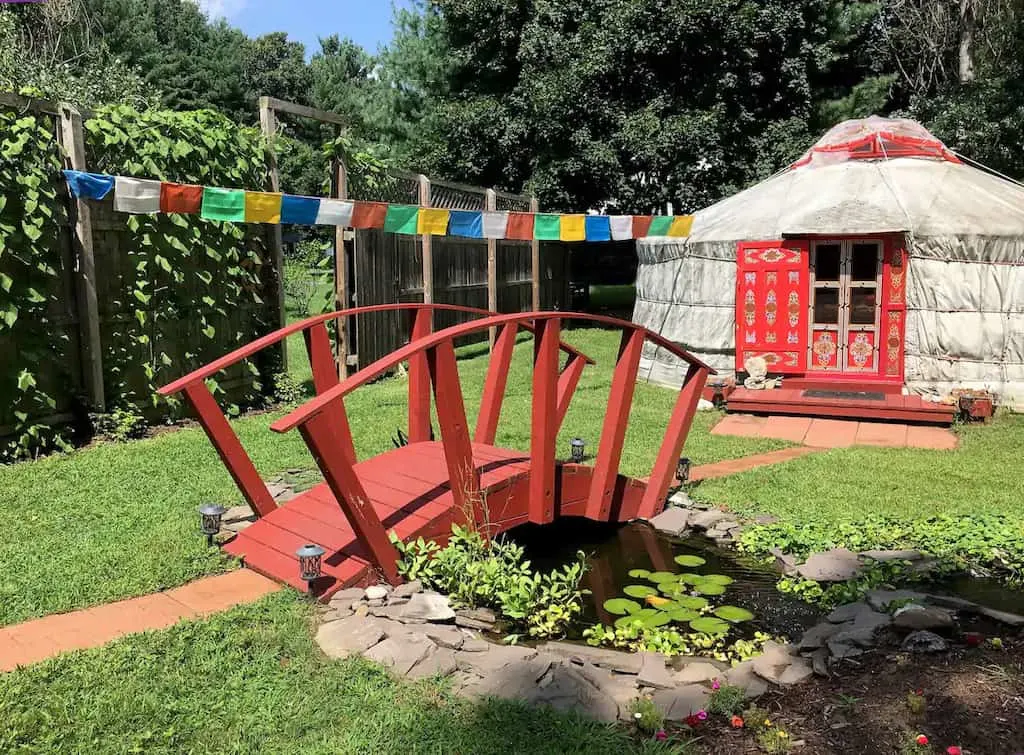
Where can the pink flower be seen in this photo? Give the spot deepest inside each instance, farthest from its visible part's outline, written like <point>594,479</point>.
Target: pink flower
<point>921,740</point>
<point>715,684</point>
<point>953,750</point>
<point>702,715</point>
<point>660,735</point>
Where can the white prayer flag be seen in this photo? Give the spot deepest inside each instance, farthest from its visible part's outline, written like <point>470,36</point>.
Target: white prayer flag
<point>334,212</point>
<point>495,224</point>
<point>136,195</point>
<point>622,227</point>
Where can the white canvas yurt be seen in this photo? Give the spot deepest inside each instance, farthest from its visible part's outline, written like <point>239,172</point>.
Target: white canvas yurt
<point>879,257</point>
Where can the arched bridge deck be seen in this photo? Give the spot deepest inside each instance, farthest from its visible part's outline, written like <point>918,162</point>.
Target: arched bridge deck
<point>421,489</point>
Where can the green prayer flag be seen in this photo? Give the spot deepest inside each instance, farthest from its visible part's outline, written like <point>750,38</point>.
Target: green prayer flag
<point>401,218</point>
<point>546,227</point>
<point>223,204</point>
<point>660,225</point>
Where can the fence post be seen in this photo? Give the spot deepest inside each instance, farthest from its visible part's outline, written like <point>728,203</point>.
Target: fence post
<point>491,204</point>
<point>341,299</point>
<point>428,255</point>
<point>535,261</point>
<point>85,264</point>
<point>268,123</point>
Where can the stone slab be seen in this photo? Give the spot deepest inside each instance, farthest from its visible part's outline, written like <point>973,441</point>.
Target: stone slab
<point>349,636</point>
<point>407,590</point>
<point>705,520</point>
<point>836,565</point>
<point>673,521</point>
<point>654,673</point>
<point>616,660</point>
<point>438,662</point>
<point>400,654</point>
<point>678,703</point>
<point>427,606</point>
<point>445,636</point>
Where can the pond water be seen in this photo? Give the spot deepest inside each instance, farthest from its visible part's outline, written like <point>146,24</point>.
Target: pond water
<point>614,550</point>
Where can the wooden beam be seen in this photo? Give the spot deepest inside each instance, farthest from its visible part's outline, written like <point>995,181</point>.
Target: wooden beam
<point>426,246</point>
<point>325,377</point>
<point>491,204</point>
<point>419,381</point>
<point>494,385</point>
<point>543,431</point>
<point>613,432</point>
<point>230,449</point>
<point>567,383</point>
<point>283,106</point>
<point>268,123</point>
<point>535,261</point>
<point>341,283</point>
<point>85,264</point>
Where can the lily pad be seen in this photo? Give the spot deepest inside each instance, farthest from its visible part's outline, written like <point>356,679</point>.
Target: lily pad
<point>639,573</point>
<point>620,606</point>
<point>639,591</point>
<point>691,579</point>
<point>628,620</point>
<point>691,601</point>
<point>709,625</point>
<point>671,589</point>
<point>733,613</point>
<point>687,560</point>
<point>658,620</point>
<point>709,588</point>
<point>683,615</point>
<point>661,576</point>
<point>718,579</point>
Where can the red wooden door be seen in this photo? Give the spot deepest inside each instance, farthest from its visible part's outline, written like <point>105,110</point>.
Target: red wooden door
<point>771,304</point>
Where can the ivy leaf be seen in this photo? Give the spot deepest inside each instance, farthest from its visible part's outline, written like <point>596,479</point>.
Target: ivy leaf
<point>144,298</point>
<point>31,231</point>
<point>163,263</point>
<point>34,296</point>
<point>25,380</point>
<point>209,331</point>
<point>10,314</point>
<point>6,282</point>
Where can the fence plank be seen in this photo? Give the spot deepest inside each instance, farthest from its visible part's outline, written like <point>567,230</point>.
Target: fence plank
<point>268,122</point>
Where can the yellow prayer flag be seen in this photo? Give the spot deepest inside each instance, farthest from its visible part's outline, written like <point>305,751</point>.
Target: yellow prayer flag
<point>681,225</point>
<point>572,228</point>
<point>432,222</point>
<point>262,207</point>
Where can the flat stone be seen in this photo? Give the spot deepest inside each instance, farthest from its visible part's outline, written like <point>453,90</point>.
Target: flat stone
<point>924,642</point>
<point>475,645</point>
<point>616,660</point>
<point>376,603</point>
<point>518,679</point>
<point>238,526</point>
<point>784,562</point>
<point>238,514</point>
<point>478,614</point>
<point>705,520</point>
<point>407,590</point>
<point>565,689</point>
<point>819,661</point>
<point>818,635</point>
<point>376,592</point>
<point>351,594</point>
<point>887,555</point>
<point>349,636</point>
<point>680,498</point>
<point>742,675</point>
<point>848,612</point>
<point>437,662</point>
<point>224,537</point>
<point>619,687</point>
<point>494,658</point>
<point>862,635</point>
<point>948,601</point>
<point>672,521</point>
<point>654,673</point>
<point>881,599</point>
<point>277,488</point>
<point>400,654</point>
<point>797,671</point>
<point>469,623</point>
<point>836,565</point>
<point>914,618</point>
<point>1005,617</point>
<point>840,649</point>
<point>445,636</point>
<point>693,673</point>
<point>678,703</point>
<point>427,606</point>
<point>773,663</point>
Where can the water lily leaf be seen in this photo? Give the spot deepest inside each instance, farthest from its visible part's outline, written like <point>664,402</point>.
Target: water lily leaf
<point>639,591</point>
<point>709,625</point>
<point>687,560</point>
<point>628,620</point>
<point>709,588</point>
<point>718,579</point>
<point>620,606</point>
<point>683,615</point>
<point>658,620</point>
<point>639,573</point>
<point>661,576</point>
<point>733,613</point>
<point>671,589</point>
<point>691,601</point>
<point>657,601</point>
<point>691,579</point>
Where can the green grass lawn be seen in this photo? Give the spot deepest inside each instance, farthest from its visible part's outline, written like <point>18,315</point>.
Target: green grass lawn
<point>252,681</point>
<point>117,520</point>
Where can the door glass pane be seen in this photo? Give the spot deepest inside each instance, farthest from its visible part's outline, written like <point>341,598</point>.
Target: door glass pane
<point>864,262</point>
<point>862,306</point>
<point>826,306</point>
<point>826,262</point>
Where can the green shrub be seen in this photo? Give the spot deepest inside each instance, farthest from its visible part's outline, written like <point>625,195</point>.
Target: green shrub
<point>120,425</point>
<point>645,714</point>
<point>727,700</point>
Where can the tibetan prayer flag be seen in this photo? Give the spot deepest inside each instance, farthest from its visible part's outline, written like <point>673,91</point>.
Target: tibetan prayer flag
<point>572,228</point>
<point>136,195</point>
<point>369,214</point>
<point>432,222</point>
<point>299,210</point>
<point>262,207</point>
<point>89,185</point>
<point>546,227</point>
<point>621,227</point>
<point>681,225</point>
<point>335,212</point>
<point>641,223</point>
<point>598,228</point>
<point>660,225</point>
<point>468,224</point>
<point>223,204</point>
<point>520,226</point>
<point>401,218</point>
<point>184,198</point>
<point>495,224</point>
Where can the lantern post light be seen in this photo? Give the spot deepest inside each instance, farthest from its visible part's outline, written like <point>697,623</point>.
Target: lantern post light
<point>683,469</point>
<point>576,447</point>
<point>310,556</point>
<point>210,514</point>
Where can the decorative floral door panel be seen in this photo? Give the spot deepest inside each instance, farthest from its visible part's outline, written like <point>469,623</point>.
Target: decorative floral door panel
<point>771,304</point>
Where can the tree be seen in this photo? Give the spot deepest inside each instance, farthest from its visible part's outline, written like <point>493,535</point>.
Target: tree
<point>274,66</point>
<point>346,81</point>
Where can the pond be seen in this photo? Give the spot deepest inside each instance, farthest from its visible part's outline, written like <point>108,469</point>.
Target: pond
<point>614,550</point>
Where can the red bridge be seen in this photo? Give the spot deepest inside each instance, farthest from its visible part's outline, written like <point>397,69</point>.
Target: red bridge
<point>421,489</point>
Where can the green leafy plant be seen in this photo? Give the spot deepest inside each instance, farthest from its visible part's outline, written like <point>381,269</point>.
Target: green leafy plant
<point>727,700</point>
<point>287,390</point>
<point>671,641</point>
<point>121,424</point>
<point>645,714</point>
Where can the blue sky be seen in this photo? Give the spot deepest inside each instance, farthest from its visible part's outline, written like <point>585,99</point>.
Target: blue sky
<point>368,22</point>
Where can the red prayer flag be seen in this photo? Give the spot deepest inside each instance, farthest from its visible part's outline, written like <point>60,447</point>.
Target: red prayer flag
<point>520,226</point>
<point>183,198</point>
<point>369,214</point>
<point>641,224</point>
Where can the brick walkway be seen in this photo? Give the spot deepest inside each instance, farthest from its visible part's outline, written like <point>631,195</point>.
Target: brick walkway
<point>735,466</point>
<point>36,640</point>
<point>835,433</point>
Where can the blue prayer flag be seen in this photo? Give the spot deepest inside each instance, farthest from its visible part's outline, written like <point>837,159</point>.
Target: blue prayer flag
<point>468,224</point>
<point>598,228</point>
<point>89,185</point>
<point>299,210</point>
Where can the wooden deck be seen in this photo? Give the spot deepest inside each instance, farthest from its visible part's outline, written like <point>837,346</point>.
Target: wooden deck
<point>891,407</point>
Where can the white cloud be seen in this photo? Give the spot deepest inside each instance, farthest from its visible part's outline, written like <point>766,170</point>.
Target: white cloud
<point>220,8</point>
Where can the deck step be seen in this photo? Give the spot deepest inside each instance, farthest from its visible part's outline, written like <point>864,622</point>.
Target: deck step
<point>891,406</point>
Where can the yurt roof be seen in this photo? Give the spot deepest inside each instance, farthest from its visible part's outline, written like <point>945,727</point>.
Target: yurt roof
<point>872,175</point>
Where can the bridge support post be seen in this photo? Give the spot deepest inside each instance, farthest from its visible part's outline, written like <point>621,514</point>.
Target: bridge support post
<point>419,380</point>
<point>325,377</point>
<point>543,430</point>
<point>567,383</point>
<point>494,385</point>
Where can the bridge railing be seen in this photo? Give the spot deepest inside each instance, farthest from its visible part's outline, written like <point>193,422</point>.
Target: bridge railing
<point>552,391</point>
<point>325,377</point>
